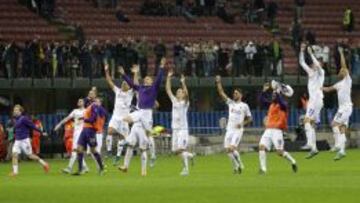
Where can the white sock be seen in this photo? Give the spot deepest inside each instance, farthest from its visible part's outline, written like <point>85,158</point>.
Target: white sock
<point>185,157</point>
<point>128,156</point>
<point>233,160</point>
<point>336,133</point>
<point>262,159</point>
<point>109,140</point>
<point>143,161</point>
<point>85,167</point>
<point>310,136</point>
<point>238,159</point>
<point>42,162</point>
<point>16,169</point>
<point>287,156</point>
<point>72,160</point>
<point>342,143</point>
<point>152,148</point>
<point>120,147</point>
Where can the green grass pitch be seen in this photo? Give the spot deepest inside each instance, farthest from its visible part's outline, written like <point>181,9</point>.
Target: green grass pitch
<point>211,180</point>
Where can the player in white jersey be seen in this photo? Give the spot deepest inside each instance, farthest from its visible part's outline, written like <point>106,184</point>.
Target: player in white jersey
<point>123,98</point>
<point>76,115</point>
<point>239,116</point>
<point>316,76</point>
<point>341,119</point>
<point>179,122</point>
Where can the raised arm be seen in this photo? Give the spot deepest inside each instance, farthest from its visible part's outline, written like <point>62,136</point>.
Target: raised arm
<point>313,58</point>
<point>220,88</point>
<point>183,85</point>
<point>302,62</point>
<point>160,74</point>
<point>127,79</point>
<point>135,71</point>
<point>168,85</point>
<point>343,61</point>
<point>108,77</point>
<point>63,121</point>
<point>329,89</point>
<point>31,125</point>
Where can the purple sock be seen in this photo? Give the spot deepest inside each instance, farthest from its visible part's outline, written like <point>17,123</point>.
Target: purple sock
<point>98,160</point>
<point>80,157</point>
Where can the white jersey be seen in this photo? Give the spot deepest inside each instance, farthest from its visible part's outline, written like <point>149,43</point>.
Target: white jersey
<point>122,102</point>
<point>77,114</point>
<point>179,114</point>
<point>315,80</point>
<point>237,113</point>
<point>343,88</point>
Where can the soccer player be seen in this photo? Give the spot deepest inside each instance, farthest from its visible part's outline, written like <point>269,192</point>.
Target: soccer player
<point>316,77</point>
<point>101,123</point>
<point>35,139</point>
<point>341,119</point>
<point>142,118</point>
<point>23,126</point>
<point>92,123</point>
<point>239,116</point>
<point>275,124</point>
<point>179,123</point>
<point>123,97</point>
<point>76,115</point>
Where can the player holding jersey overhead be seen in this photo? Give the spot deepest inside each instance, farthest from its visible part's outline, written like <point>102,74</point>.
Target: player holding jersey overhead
<point>316,76</point>
<point>179,122</point>
<point>239,116</point>
<point>123,97</point>
<point>76,115</point>
<point>92,123</point>
<point>22,129</point>
<point>142,118</point>
<point>275,124</point>
<point>341,119</point>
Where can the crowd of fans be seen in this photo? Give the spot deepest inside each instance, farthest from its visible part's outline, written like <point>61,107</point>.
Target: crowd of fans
<point>202,58</point>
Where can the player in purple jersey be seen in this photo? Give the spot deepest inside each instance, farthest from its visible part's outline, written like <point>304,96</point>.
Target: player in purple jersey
<point>23,127</point>
<point>142,118</point>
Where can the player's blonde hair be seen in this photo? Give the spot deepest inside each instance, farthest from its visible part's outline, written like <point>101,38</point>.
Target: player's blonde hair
<point>21,108</point>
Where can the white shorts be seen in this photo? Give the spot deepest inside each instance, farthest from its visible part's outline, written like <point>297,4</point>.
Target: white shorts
<point>233,137</point>
<point>119,125</point>
<point>144,116</point>
<point>313,109</point>
<point>180,140</point>
<point>138,136</point>
<point>343,114</point>
<point>272,137</point>
<point>22,146</point>
<point>76,138</point>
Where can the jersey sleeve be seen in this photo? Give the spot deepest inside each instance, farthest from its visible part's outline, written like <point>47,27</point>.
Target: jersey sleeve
<point>229,101</point>
<point>116,89</point>
<point>72,114</point>
<point>172,98</point>
<point>247,111</point>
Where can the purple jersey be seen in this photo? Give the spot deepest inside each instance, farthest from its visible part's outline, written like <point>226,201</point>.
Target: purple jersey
<point>147,94</point>
<point>23,127</point>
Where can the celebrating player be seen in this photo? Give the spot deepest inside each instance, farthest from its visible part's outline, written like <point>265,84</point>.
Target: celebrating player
<point>76,115</point>
<point>23,126</point>
<point>341,119</point>
<point>275,123</point>
<point>123,98</point>
<point>179,123</point>
<point>239,116</point>
<point>315,83</point>
<point>92,123</point>
<point>142,118</point>
<point>100,124</point>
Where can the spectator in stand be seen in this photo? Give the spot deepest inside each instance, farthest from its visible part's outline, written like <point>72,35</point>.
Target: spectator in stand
<point>223,14</point>
<point>296,34</point>
<point>355,59</point>
<point>272,9</point>
<point>160,52</point>
<point>179,58</point>
<point>143,49</point>
<point>236,58</point>
<point>259,7</point>
<point>121,16</point>
<point>223,59</point>
<point>276,67</point>
<point>348,20</point>
<point>210,58</point>
<point>209,7</point>
<point>299,9</point>
<point>2,51</point>
<point>250,51</point>
<point>10,57</point>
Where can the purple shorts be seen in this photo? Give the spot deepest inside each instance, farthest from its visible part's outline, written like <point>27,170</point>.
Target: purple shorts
<point>87,138</point>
